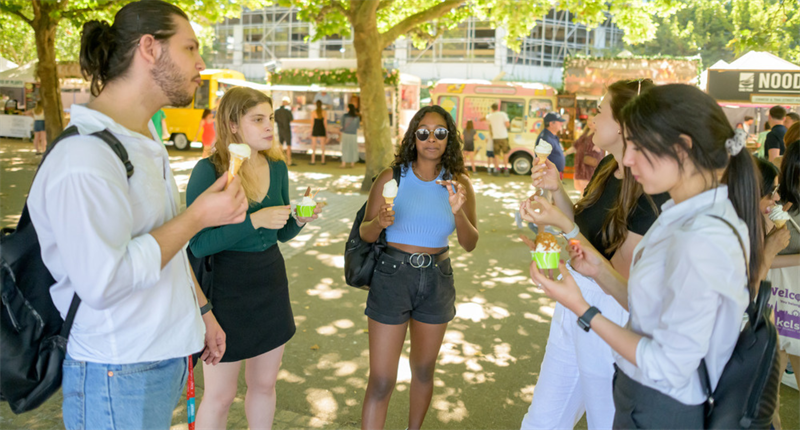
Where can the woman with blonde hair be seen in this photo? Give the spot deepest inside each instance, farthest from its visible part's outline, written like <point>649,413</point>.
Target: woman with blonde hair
<point>250,291</point>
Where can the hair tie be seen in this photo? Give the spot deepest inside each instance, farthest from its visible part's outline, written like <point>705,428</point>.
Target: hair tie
<point>735,144</point>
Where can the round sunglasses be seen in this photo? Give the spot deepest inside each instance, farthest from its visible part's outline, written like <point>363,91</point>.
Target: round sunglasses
<point>440,133</point>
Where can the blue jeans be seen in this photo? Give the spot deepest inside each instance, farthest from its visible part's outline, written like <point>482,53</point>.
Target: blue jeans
<point>122,396</point>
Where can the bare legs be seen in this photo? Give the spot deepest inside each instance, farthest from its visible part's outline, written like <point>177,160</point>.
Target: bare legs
<point>261,374</point>
<point>385,347</point>
<point>469,157</point>
<point>40,141</point>
<point>322,141</point>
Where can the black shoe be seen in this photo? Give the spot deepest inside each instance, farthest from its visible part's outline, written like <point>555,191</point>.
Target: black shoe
<point>311,163</point>
<point>293,164</point>
<point>323,163</point>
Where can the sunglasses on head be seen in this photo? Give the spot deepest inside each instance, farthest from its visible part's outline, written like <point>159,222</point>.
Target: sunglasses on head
<point>440,133</point>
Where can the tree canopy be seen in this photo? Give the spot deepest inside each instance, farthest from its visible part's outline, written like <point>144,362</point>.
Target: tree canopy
<point>720,30</point>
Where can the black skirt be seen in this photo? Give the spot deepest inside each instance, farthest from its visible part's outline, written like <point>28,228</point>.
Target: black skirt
<point>251,302</point>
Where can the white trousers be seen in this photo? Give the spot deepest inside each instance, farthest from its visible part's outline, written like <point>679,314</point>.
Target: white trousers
<point>577,370</point>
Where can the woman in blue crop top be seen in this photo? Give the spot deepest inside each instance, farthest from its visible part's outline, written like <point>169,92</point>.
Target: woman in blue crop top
<point>412,287</point>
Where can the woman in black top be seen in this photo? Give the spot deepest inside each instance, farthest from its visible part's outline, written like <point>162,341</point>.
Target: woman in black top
<point>469,144</point>
<point>319,132</point>
<point>613,216</point>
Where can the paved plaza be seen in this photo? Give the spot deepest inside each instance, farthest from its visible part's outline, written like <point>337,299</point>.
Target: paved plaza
<point>489,362</point>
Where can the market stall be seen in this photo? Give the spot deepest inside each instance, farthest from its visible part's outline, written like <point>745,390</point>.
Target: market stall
<point>303,80</point>
<point>752,84</point>
<point>19,92</point>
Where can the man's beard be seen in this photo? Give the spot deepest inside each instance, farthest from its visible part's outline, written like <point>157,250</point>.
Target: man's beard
<point>168,77</point>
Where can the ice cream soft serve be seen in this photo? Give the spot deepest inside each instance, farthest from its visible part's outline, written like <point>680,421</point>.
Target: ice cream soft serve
<point>390,189</point>
<point>779,216</point>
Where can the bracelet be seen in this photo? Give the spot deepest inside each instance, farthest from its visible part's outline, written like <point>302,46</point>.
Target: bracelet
<point>206,308</point>
<point>573,233</point>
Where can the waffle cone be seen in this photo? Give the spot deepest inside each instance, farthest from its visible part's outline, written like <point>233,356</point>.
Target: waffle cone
<point>389,200</point>
<point>233,167</point>
<point>779,223</point>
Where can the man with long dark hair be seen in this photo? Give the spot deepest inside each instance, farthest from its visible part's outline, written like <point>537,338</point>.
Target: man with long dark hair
<point>118,243</point>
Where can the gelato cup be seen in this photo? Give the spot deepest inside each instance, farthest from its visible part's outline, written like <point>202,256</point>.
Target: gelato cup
<point>547,252</point>
<point>546,260</point>
<point>239,152</point>
<point>306,207</point>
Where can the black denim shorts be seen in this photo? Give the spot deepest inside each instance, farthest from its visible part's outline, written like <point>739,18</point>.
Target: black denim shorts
<point>399,291</point>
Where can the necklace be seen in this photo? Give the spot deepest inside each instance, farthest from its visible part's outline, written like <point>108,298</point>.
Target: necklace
<point>414,168</point>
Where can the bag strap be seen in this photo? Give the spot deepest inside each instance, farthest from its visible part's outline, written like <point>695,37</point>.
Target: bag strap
<point>25,219</point>
<point>703,369</point>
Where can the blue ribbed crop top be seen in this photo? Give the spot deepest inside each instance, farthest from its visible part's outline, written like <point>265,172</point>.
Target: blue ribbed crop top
<point>423,216</point>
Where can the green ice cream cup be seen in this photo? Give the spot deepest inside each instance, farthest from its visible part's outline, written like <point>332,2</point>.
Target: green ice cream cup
<point>305,211</point>
<point>546,260</point>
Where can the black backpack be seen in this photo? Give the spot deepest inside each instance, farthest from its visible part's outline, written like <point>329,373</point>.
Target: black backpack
<point>33,337</point>
<point>361,257</point>
<point>747,392</point>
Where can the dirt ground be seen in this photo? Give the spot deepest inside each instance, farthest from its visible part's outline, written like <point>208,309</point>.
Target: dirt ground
<point>489,362</point>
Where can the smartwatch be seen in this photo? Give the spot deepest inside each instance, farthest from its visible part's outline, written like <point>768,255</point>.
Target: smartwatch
<point>585,319</point>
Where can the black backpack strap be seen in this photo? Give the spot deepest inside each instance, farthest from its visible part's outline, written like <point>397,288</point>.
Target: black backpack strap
<point>703,370</point>
<point>396,171</point>
<point>25,218</point>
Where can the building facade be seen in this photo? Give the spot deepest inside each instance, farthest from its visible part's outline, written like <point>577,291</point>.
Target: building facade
<point>473,50</point>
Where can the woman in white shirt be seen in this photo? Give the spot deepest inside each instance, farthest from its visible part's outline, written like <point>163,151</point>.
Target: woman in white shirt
<point>688,286</point>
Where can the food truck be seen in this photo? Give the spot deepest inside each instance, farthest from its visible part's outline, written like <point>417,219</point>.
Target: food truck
<point>525,103</point>
<point>183,122</point>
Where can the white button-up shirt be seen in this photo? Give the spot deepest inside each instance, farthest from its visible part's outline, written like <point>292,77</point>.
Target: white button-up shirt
<point>93,225</point>
<point>687,295</point>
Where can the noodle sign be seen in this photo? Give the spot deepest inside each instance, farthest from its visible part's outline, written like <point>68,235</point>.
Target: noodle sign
<point>755,86</point>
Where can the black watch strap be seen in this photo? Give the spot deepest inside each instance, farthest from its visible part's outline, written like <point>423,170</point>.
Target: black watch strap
<point>204,309</point>
<point>584,321</point>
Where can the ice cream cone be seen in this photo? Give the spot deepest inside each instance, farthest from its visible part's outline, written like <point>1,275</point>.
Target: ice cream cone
<point>389,200</point>
<point>779,223</point>
<point>239,152</point>
<point>234,166</point>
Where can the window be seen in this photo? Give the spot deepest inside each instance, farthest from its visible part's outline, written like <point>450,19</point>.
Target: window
<point>201,95</point>
<point>540,107</point>
<point>450,104</point>
<point>476,109</point>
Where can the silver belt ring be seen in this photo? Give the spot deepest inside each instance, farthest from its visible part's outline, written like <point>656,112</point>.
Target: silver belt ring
<point>418,260</point>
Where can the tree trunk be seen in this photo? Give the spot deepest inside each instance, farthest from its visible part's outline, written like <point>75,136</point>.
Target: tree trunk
<point>44,27</point>
<point>377,131</point>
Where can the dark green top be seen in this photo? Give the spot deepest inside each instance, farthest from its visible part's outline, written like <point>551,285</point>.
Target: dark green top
<point>241,237</point>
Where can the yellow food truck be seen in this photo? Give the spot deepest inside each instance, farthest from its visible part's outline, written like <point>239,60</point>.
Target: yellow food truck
<point>183,122</point>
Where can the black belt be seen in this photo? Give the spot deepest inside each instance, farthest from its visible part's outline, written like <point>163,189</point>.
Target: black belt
<point>417,260</point>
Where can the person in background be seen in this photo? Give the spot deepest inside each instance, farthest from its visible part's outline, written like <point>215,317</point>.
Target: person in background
<point>208,132</point>
<point>319,131</point>
<point>350,123</point>
<point>160,124</point>
<point>284,118</point>
<point>498,125</point>
<point>587,156</point>
<point>553,123</point>
<point>469,144</point>
<point>39,133</point>
<point>745,125</point>
<point>325,98</point>
<point>762,136</point>
<point>791,119</point>
<point>773,144</point>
